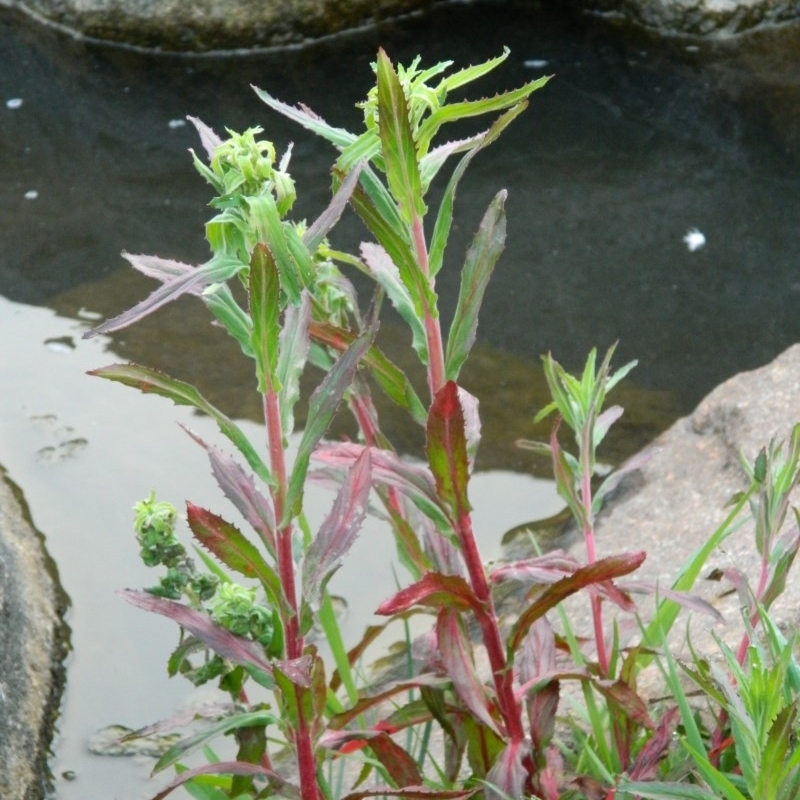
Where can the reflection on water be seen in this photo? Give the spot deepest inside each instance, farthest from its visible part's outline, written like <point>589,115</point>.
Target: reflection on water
<point>633,144</point>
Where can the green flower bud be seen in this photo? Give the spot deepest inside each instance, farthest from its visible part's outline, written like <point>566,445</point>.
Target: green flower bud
<point>235,608</point>
<point>154,527</point>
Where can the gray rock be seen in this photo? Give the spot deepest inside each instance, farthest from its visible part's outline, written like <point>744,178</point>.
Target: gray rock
<point>680,497</point>
<point>211,25</point>
<point>34,642</point>
<point>707,18</point>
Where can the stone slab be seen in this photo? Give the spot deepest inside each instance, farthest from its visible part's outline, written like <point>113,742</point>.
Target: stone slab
<point>34,642</point>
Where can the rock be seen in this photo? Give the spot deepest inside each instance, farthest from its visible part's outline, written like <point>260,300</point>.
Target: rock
<point>679,497</point>
<point>211,25</point>
<point>707,18</point>
<point>34,642</point>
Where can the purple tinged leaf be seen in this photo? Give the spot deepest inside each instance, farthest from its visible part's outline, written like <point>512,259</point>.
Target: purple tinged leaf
<point>282,786</point>
<point>507,776</point>
<point>606,419</point>
<point>241,490</point>
<point>446,447</point>
<point>308,119</point>
<point>318,230</point>
<point>536,658</point>
<point>547,568</point>
<point>338,532</point>
<point>692,602</point>
<point>162,269</point>
<point>481,258</point>
<point>232,548</point>
<point>456,653</point>
<point>208,138</point>
<point>388,469</point>
<point>321,407</point>
<point>293,351</point>
<point>634,463</point>
<point>387,275</point>
<point>218,270</point>
<point>235,648</point>
<point>297,670</point>
<point>604,569</point>
<point>433,590</point>
<point>645,768</point>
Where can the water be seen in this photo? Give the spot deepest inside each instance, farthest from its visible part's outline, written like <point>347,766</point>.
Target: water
<point>633,143</point>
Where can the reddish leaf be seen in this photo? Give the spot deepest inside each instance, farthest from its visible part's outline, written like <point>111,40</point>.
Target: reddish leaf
<point>447,448</point>
<point>389,469</point>
<point>339,530</point>
<point>338,721</point>
<point>650,756</point>
<point>456,652</point>
<point>220,640</point>
<point>232,548</point>
<point>537,657</point>
<point>436,591</point>
<point>507,776</point>
<point>413,793</point>
<point>402,768</point>
<point>602,570</point>
<point>626,700</point>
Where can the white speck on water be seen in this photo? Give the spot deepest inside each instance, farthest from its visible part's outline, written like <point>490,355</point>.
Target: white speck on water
<point>694,239</point>
<point>31,194</point>
<point>85,313</point>
<point>176,123</point>
<point>535,63</point>
<point>14,103</point>
<point>692,48</point>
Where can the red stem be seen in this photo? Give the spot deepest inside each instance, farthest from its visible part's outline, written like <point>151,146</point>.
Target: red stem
<point>306,762</point>
<point>503,678</point>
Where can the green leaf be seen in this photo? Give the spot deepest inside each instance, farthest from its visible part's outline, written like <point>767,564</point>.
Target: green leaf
<point>151,381</point>
<point>601,570</point>
<point>659,790</point>
<point>397,142</point>
<point>432,162</point>
<point>481,258</point>
<point>446,448</point>
<point>192,743</point>
<point>264,292</point>
<point>454,112</point>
